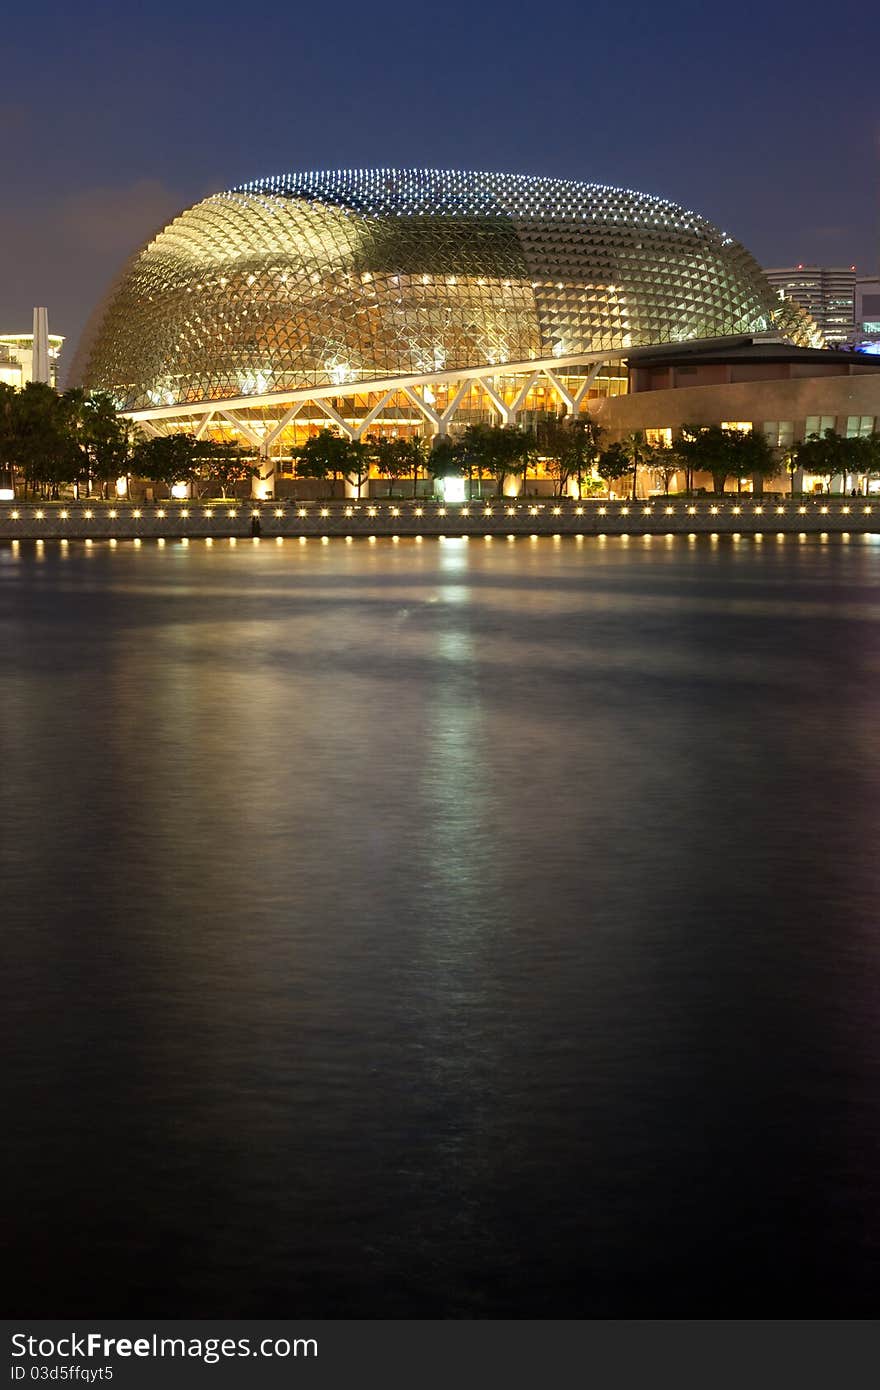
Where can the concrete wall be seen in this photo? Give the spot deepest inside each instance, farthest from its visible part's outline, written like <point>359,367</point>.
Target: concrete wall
<point>673,516</point>
<point>744,400</point>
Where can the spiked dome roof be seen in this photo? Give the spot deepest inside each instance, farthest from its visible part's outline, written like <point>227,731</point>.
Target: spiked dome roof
<point>349,276</point>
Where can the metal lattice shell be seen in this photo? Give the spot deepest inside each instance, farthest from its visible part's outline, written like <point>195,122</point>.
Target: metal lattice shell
<point>332,278</point>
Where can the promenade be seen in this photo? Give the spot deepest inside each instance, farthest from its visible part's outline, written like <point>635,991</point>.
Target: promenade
<point>731,514</point>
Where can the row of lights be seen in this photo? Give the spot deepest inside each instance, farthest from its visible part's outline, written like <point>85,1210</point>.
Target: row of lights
<point>647,538</point>
<point>209,513</point>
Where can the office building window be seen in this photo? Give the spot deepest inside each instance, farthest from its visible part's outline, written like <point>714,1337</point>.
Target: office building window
<point>661,437</point>
<point>818,424</point>
<point>859,426</point>
<point>779,433</point>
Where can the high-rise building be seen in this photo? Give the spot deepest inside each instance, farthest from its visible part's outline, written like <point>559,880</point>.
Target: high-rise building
<point>867,325</point>
<point>826,293</point>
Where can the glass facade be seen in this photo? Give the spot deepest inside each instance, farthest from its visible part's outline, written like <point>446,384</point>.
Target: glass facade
<point>362,276</point>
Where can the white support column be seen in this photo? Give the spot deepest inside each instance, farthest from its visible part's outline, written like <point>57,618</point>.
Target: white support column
<point>520,399</point>
<point>588,381</point>
<point>449,413</point>
<point>203,425</point>
<point>499,403</point>
<point>242,428</point>
<point>368,419</point>
<point>421,404</point>
<point>564,395</point>
<point>277,430</point>
<point>333,414</point>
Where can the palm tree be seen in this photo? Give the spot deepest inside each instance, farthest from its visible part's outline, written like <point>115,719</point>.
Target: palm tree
<point>638,451</point>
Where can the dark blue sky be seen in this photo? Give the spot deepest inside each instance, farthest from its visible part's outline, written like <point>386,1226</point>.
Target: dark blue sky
<point>765,117</point>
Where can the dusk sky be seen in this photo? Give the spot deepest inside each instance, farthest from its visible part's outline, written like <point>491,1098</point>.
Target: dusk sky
<point>764,117</point>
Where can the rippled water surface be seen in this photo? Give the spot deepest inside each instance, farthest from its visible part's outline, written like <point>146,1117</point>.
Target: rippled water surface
<point>449,929</point>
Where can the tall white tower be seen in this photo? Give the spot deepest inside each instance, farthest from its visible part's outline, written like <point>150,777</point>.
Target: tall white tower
<point>40,368</point>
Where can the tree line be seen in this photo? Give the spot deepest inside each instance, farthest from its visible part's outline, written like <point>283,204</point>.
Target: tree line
<point>78,438</point>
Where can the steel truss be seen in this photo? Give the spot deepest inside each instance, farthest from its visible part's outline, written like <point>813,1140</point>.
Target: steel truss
<point>262,420</point>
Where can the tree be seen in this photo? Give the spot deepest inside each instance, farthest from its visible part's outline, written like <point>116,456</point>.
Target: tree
<point>224,463</point>
<point>571,445</point>
<point>105,440</point>
<point>726,454</point>
<point>870,456</point>
<point>443,460</point>
<point>791,463</point>
<point>168,459</point>
<point>500,450</point>
<point>826,456</point>
<point>416,450</point>
<point>8,434</point>
<point>664,465</point>
<point>706,449</point>
<point>50,440</point>
<point>397,458</point>
<point>391,457</point>
<point>515,448</point>
<point>325,455</point>
<point>613,463</point>
<point>40,446</point>
<point>359,462</point>
<point>752,456</point>
<point>638,453</point>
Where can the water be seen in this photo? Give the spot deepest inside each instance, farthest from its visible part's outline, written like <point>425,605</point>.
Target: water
<point>450,929</point>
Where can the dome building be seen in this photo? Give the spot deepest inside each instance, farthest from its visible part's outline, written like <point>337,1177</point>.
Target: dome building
<point>411,300</point>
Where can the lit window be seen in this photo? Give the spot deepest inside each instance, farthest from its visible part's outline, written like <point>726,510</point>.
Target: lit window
<point>818,424</point>
<point>859,426</point>
<point>779,433</point>
<point>661,438</point>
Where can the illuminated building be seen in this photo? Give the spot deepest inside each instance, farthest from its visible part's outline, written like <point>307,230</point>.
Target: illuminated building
<point>788,393</point>
<point>866,333</point>
<point>411,301</point>
<point>17,358</point>
<point>826,294</point>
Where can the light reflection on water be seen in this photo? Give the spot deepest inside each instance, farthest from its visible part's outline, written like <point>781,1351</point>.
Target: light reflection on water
<point>444,929</point>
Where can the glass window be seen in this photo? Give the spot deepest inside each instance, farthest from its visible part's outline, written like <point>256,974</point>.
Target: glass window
<point>859,426</point>
<point>663,437</point>
<point>744,425</point>
<point>780,433</point>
